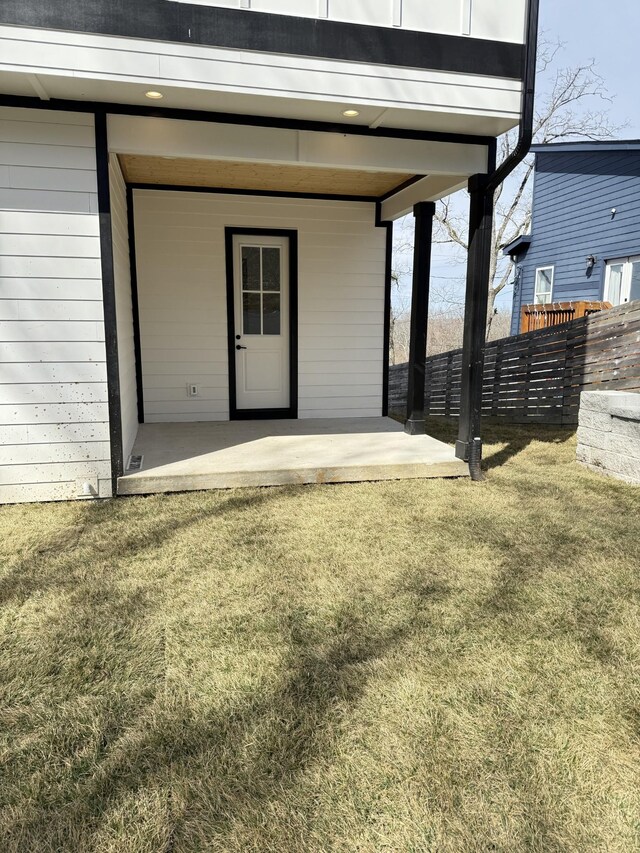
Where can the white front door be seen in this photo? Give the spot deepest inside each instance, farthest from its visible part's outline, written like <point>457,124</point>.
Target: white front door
<point>261,312</point>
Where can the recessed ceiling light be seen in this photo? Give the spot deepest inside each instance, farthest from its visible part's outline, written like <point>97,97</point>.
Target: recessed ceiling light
<point>351,113</point>
<point>155,96</point>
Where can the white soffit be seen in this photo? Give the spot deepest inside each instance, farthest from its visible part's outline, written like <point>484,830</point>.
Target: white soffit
<point>81,66</point>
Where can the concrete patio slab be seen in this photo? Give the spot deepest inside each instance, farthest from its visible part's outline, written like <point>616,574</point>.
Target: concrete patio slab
<point>179,457</point>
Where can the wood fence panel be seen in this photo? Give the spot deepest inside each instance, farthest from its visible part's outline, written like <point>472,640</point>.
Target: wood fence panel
<point>539,376</point>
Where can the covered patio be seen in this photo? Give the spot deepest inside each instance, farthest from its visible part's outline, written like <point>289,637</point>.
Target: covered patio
<point>183,457</point>
<point>253,282</point>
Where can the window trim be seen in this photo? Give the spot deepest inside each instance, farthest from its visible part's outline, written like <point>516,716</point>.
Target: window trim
<point>535,283</point>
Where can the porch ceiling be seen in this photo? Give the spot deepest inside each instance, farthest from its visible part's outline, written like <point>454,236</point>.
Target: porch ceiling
<point>226,174</point>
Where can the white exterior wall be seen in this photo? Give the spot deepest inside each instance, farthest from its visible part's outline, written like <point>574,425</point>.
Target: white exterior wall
<point>124,311</point>
<point>54,426</point>
<point>182,299</point>
<point>502,20</point>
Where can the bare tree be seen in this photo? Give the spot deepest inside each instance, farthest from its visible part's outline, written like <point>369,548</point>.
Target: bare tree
<point>401,301</point>
<point>564,112</point>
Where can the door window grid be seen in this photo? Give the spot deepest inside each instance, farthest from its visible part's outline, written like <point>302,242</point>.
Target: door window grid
<point>261,286</point>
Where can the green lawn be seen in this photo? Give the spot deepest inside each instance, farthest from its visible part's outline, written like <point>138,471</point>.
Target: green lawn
<point>412,666</point>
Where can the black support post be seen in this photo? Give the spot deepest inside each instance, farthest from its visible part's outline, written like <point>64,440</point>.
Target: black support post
<point>469,445</point>
<point>423,213</point>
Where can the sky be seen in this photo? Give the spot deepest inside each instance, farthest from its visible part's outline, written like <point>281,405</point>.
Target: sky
<point>604,30</point>
<point>607,31</point>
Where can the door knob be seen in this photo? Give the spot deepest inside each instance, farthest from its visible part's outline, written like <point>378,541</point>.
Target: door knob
<point>239,347</point>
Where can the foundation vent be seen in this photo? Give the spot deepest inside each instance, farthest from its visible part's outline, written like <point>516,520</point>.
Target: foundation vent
<point>135,463</point>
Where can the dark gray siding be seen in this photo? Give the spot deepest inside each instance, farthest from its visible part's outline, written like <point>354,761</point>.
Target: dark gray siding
<point>574,194</point>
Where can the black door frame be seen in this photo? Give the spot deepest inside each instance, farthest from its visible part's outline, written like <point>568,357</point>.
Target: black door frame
<point>291,412</point>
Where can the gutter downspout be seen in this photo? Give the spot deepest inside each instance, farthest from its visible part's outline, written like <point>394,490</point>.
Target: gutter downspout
<point>528,102</point>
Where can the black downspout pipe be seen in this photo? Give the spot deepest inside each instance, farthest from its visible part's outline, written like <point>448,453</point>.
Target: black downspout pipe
<point>482,189</point>
<point>528,102</point>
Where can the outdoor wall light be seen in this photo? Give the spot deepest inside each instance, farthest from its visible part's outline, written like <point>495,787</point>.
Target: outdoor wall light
<point>351,113</point>
<point>155,96</point>
<point>591,262</point>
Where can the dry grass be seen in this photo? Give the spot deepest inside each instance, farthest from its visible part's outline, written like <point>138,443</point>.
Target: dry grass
<point>416,666</point>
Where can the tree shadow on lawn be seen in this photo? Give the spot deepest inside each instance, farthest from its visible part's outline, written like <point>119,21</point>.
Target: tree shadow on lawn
<point>104,532</point>
<point>84,662</point>
<point>221,766</point>
<point>515,437</point>
<point>522,563</point>
<point>519,439</point>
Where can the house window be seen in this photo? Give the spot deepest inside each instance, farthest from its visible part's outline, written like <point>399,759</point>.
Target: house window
<point>622,280</point>
<point>544,285</point>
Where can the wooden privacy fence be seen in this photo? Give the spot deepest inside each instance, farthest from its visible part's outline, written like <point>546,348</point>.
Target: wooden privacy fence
<point>543,316</point>
<point>538,377</point>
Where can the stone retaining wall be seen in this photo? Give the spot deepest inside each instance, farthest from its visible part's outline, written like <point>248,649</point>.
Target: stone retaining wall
<point>609,434</point>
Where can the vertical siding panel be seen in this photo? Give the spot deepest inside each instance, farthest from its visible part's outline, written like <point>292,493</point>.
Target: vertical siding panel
<point>124,308</point>
<point>53,371</point>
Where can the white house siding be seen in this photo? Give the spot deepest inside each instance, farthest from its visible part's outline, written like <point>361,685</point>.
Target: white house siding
<point>53,394</point>
<point>124,311</point>
<point>502,20</point>
<point>183,314</point>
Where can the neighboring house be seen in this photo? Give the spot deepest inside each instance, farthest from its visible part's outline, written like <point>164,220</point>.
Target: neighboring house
<point>196,203</point>
<point>584,244</point>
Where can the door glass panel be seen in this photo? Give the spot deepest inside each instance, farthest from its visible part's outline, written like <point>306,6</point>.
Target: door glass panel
<point>251,314</point>
<point>271,269</point>
<point>250,268</point>
<point>635,281</point>
<point>271,314</point>
<point>614,291</point>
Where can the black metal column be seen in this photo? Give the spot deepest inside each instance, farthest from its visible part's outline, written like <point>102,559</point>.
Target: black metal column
<point>469,444</point>
<point>423,213</point>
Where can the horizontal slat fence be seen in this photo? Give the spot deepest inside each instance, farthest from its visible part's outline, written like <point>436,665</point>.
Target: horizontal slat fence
<point>538,376</point>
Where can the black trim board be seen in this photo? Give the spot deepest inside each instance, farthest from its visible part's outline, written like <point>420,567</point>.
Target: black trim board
<point>368,199</point>
<point>239,29</point>
<point>109,300</point>
<point>135,307</point>
<point>261,414</point>
<point>66,105</point>
<point>388,273</point>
